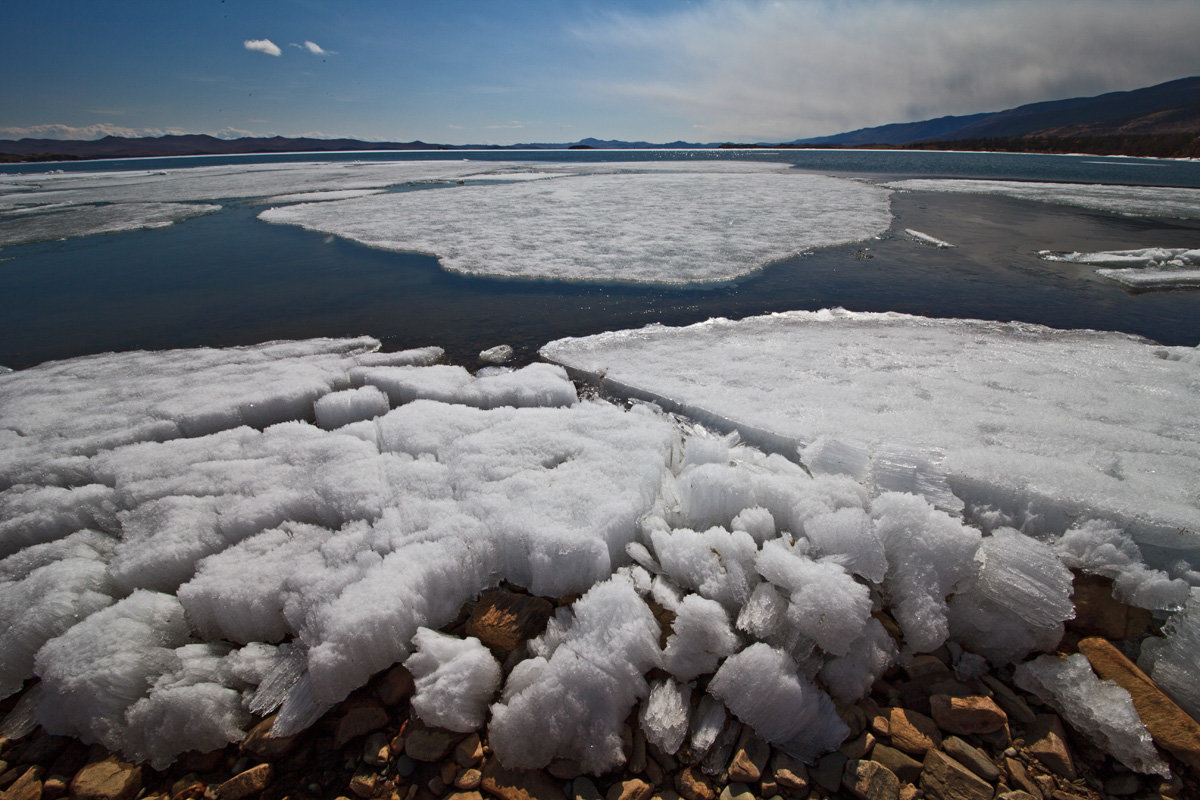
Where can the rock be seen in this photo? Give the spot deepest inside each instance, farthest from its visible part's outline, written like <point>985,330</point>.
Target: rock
<point>693,784</point>
<point>972,758</point>
<point>637,759</point>
<point>469,752</point>
<point>564,769</point>
<point>1122,785</point>
<point>423,743</point>
<point>465,796</point>
<point>737,791</point>
<point>511,784</point>
<point>109,779</point>
<point>261,744</point>
<point>1173,730</point>
<point>790,774</point>
<point>365,782</point>
<point>376,750</point>
<point>827,772</point>
<point>247,783</point>
<point>54,787</point>
<point>943,778</point>
<point>853,716</point>
<point>1098,613</point>
<point>1020,776</point>
<point>26,787</point>
<point>913,732</point>
<point>967,715</point>
<point>505,620</point>
<point>211,761</point>
<point>584,789</point>
<point>908,792</point>
<point>1016,794</point>
<point>396,686</point>
<point>1047,742</point>
<point>632,789</point>
<point>468,779</point>
<point>926,667</point>
<point>749,759</point>
<point>1012,703</point>
<point>869,780</point>
<point>358,717</point>
<point>902,766</point>
<point>858,748</point>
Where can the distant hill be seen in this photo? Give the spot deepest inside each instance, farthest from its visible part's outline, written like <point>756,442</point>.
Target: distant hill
<point>1166,109</point>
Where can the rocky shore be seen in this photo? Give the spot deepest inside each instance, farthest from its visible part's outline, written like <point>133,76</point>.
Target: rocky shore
<point>922,732</point>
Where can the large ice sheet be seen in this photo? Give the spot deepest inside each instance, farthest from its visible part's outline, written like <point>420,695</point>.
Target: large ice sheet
<point>1141,201</point>
<point>663,226</point>
<point>1042,426</point>
<point>89,220</point>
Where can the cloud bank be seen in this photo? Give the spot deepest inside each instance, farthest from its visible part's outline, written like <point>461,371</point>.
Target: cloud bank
<point>783,70</point>
<point>100,130</point>
<point>262,46</point>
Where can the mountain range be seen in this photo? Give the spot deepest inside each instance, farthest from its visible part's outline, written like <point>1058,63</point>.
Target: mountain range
<point>1156,120</point>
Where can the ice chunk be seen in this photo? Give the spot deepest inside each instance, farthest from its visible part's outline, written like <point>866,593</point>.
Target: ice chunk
<point>848,534</point>
<point>533,385</point>
<point>708,721</point>
<point>90,220</point>
<point>929,554</point>
<point>416,357</point>
<point>760,686</point>
<point>718,564</point>
<point>636,226</point>
<point>573,703</point>
<point>1151,201</point>
<point>1100,710</point>
<point>764,613</point>
<point>756,521</point>
<point>826,604</point>
<point>666,715</point>
<point>1017,601</point>
<point>849,677</point>
<point>1028,420</point>
<point>31,515</point>
<point>500,354</point>
<point>1150,267</point>
<point>1095,546</point>
<point>1171,661</point>
<point>350,405</point>
<point>700,638</point>
<point>925,238</point>
<point>455,680</point>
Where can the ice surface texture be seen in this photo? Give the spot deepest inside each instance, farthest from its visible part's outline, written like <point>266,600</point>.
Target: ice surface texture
<point>1149,201</point>
<point>643,226</point>
<point>1044,426</point>
<point>88,220</point>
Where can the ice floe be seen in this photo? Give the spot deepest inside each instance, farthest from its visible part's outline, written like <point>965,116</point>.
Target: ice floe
<point>925,238</point>
<point>1142,201</point>
<point>193,539</point>
<point>659,226</point>
<point>1148,268</point>
<point>88,220</point>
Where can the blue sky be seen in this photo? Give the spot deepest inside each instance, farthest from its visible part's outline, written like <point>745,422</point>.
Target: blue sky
<point>492,72</point>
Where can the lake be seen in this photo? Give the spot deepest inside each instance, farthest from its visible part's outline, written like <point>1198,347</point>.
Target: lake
<point>228,278</point>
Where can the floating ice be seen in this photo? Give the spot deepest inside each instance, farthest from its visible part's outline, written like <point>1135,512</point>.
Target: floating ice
<point>1151,267</point>
<point>1101,710</point>
<point>89,220</point>
<point>668,227</point>
<point>1146,201</point>
<point>455,680</point>
<point>500,354</point>
<point>1035,422</point>
<point>319,196</point>
<point>925,238</point>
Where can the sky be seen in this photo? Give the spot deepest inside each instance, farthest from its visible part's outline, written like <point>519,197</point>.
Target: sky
<point>482,72</point>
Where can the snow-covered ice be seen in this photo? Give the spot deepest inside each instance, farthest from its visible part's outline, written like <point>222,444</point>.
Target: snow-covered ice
<point>646,226</point>
<point>455,680</point>
<point>1147,268</point>
<point>1142,201</point>
<point>89,220</point>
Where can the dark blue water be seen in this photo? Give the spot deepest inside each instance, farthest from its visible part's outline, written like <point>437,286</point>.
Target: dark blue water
<point>229,279</point>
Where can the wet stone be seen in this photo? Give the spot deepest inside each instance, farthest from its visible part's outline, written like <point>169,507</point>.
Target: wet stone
<point>109,779</point>
<point>247,783</point>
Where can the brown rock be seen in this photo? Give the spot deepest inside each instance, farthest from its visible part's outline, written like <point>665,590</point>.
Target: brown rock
<point>1047,742</point>
<point>972,758</point>
<point>468,779</point>
<point>465,796</point>
<point>1020,776</point>
<point>110,779</point>
<point>246,783</point>
<point>511,784</point>
<point>632,789</point>
<point>904,767</point>
<point>736,791</point>
<point>790,774</point>
<point>750,758</point>
<point>504,620</point>
<point>908,792</point>
<point>423,743</point>
<point>358,717</point>
<point>1016,794</point>
<point>260,744</point>
<point>26,787</point>
<point>564,769</point>
<point>869,780</point>
<point>967,715</point>
<point>396,686</point>
<point>827,772</point>
<point>943,778</point>
<point>1012,703</point>
<point>469,752</point>
<point>693,784</point>
<point>365,782</point>
<point>187,788</point>
<point>926,667</point>
<point>853,716</point>
<point>1098,613</point>
<point>859,747</point>
<point>54,787</point>
<point>913,732</point>
<point>1173,730</point>
<point>213,760</point>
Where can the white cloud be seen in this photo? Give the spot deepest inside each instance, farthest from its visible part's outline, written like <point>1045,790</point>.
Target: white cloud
<point>781,70</point>
<point>100,130</point>
<point>314,48</point>
<point>262,46</point>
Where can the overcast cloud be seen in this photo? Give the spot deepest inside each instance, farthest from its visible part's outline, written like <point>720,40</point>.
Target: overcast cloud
<point>783,70</point>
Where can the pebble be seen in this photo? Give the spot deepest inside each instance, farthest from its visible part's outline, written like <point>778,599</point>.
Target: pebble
<point>244,784</point>
<point>972,758</point>
<point>468,779</point>
<point>913,732</point>
<point>943,778</point>
<point>967,715</point>
<point>108,779</point>
<point>693,784</point>
<point>868,780</point>
<point>1047,743</point>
